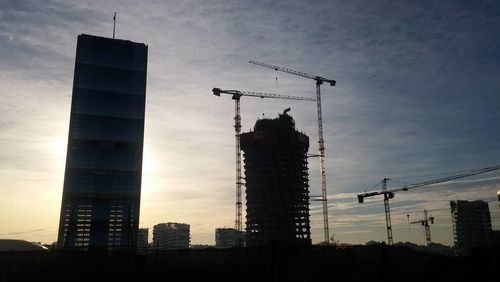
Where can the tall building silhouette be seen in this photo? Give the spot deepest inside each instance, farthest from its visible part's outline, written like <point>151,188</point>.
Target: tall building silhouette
<point>102,181</point>
<point>471,225</point>
<point>277,185</point>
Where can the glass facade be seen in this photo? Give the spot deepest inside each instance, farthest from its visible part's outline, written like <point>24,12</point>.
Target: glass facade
<point>102,182</point>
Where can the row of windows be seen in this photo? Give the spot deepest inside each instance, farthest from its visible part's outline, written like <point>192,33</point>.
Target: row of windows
<point>109,79</point>
<point>105,159</point>
<point>93,127</point>
<point>126,55</point>
<point>100,103</point>
<point>81,180</point>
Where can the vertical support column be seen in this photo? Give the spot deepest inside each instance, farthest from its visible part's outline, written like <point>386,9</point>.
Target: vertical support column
<point>321,148</point>
<point>427,228</point>
<point>114,25</point>
<point>388,219</point>
<point>237,131</point>
<point>387,212</point>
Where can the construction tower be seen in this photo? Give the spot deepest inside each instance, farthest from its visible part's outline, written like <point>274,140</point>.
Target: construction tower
<point>277,187</point>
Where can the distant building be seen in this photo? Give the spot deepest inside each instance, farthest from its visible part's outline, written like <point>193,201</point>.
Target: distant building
<point>142,241</point>
<point>102,180</point>
<point>277,185</point>
<point>200,247</point>
<point>228,238</point>
<point>471,225</point>
<point>171,236</point>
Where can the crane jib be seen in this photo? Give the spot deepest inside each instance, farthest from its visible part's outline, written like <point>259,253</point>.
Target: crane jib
<point>429,182</point>
<point>319,80</point>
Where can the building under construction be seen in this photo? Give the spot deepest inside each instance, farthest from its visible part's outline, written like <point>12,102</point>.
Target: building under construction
<point>277,188</point>
<point>471,225</point>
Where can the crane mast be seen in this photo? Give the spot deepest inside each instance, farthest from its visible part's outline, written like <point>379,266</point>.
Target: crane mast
<point>321,148</point>
<point>425,223</point>
<point>321,143</point>
<point>389,193</point>
<point>238,222</point>
<point>387,209</point>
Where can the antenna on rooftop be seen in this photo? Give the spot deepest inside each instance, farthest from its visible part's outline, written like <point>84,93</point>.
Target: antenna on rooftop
<point>114,25</point>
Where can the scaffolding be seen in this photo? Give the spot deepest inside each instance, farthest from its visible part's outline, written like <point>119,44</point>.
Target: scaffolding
<point>277,183</point>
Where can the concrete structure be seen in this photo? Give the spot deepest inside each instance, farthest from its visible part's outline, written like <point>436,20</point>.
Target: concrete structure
<point>277,188</point>
<point>171,236</point>
<point>471,225</point>
<point>142,241</point>
<point>102,181</point>
<point>228,238</point>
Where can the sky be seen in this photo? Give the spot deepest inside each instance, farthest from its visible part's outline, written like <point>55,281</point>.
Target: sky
<point>417,96</point>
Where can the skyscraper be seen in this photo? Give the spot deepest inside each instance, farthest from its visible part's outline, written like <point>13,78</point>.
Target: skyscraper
<point>277,185</point>
<point>471,225</point>
<point>102,181</point>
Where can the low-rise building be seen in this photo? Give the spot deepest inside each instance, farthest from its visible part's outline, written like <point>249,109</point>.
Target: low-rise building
<point>228,237</point>
<point>171,236</point>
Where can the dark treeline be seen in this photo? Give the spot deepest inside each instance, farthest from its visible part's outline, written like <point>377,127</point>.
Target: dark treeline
<point>271,262</point>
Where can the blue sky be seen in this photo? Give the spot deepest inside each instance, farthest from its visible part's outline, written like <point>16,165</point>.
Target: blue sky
<point>417,94</point>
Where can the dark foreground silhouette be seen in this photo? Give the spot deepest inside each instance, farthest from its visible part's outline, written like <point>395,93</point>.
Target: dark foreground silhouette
<point>270,262</point>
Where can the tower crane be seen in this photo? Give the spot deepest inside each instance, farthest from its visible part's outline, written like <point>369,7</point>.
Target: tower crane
<point>238,223</point>
<point>321,143</point>
<point>425,224</point>
<point>389,193</point>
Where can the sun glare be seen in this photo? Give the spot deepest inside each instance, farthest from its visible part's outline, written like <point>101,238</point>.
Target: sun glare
<point>58,148</point>
<point>148,169</point>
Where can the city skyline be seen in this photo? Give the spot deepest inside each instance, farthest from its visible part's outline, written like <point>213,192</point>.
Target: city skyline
<point>416,94</point>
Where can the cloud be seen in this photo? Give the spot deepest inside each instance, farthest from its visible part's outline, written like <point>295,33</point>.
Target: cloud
<point>416,94</point>
<point>23,232</point>
<point>346,214</point>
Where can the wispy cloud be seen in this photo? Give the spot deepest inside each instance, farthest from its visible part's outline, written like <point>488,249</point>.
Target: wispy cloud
<point>22,232</point>
<point>416,94</point>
